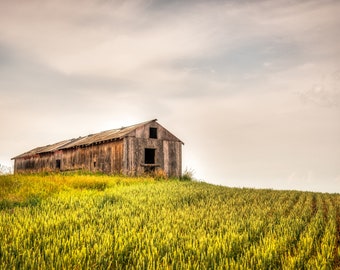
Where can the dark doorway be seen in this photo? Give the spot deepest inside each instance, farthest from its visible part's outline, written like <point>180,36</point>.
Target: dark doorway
<point>149,156</point>
<point>58,164</point>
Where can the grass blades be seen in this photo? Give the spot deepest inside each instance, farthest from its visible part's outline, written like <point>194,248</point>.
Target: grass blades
<point>115,222</point>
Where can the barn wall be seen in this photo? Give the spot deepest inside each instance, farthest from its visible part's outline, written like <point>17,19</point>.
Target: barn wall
<point>168,151</point>
<point>106,158</point>
<point>33,164</point>
<point>135,154</point>
<point>172,152</point>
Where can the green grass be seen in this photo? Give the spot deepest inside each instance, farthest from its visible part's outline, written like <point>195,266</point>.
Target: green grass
<point>114,222</point>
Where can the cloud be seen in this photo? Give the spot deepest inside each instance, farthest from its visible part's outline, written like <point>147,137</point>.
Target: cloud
<point>125,39</point>
<point>168,43</point>
<point>325,92</point>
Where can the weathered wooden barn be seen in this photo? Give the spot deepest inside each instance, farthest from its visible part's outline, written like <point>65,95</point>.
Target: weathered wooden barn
<point>132,150</point>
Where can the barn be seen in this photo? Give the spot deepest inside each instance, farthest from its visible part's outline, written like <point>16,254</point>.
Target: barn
<point>133,150</point>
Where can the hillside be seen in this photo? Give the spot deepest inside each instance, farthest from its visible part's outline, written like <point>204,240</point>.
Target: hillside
<point>103,222</point>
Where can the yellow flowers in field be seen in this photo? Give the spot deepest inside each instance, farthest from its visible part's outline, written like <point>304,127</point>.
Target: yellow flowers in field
<point>103,222</point>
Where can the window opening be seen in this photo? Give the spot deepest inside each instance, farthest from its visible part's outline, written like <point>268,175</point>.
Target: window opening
<point>153,133</point>
<point>58,164</point>
<point>149,156</point>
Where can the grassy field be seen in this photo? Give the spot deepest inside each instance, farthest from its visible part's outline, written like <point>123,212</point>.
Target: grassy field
<point>101,222</point>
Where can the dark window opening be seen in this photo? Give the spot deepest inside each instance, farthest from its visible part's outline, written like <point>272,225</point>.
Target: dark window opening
<point>58,164</point>
<point>94,164</point>
<point>149,156</point>
<point>153,133</point>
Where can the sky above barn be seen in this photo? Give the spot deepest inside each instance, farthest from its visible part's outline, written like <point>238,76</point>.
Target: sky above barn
<point>251,87</point>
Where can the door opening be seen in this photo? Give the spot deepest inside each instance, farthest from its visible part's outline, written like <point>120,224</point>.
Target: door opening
<point>58,164</point>
<point>149,160</point>
<point>149,156</point>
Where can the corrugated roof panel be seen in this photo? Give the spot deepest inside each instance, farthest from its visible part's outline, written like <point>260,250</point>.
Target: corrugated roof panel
<point>74,143</point>
<point>53,147</point>
<point>43,149</point>
<point>107,135</point>
<point>29,153</point>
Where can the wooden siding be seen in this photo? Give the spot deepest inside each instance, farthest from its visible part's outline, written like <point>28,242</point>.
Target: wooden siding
<point>106,158</point>
<point>168,156</point>
<point>168,151</point>
<point>172,152</point>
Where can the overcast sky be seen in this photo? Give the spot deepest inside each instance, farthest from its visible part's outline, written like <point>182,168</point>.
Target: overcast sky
<point>251,87</point>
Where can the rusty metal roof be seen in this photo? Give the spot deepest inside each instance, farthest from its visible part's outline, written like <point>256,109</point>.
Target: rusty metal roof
<point>104,136</point>
<point>43,149</point>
